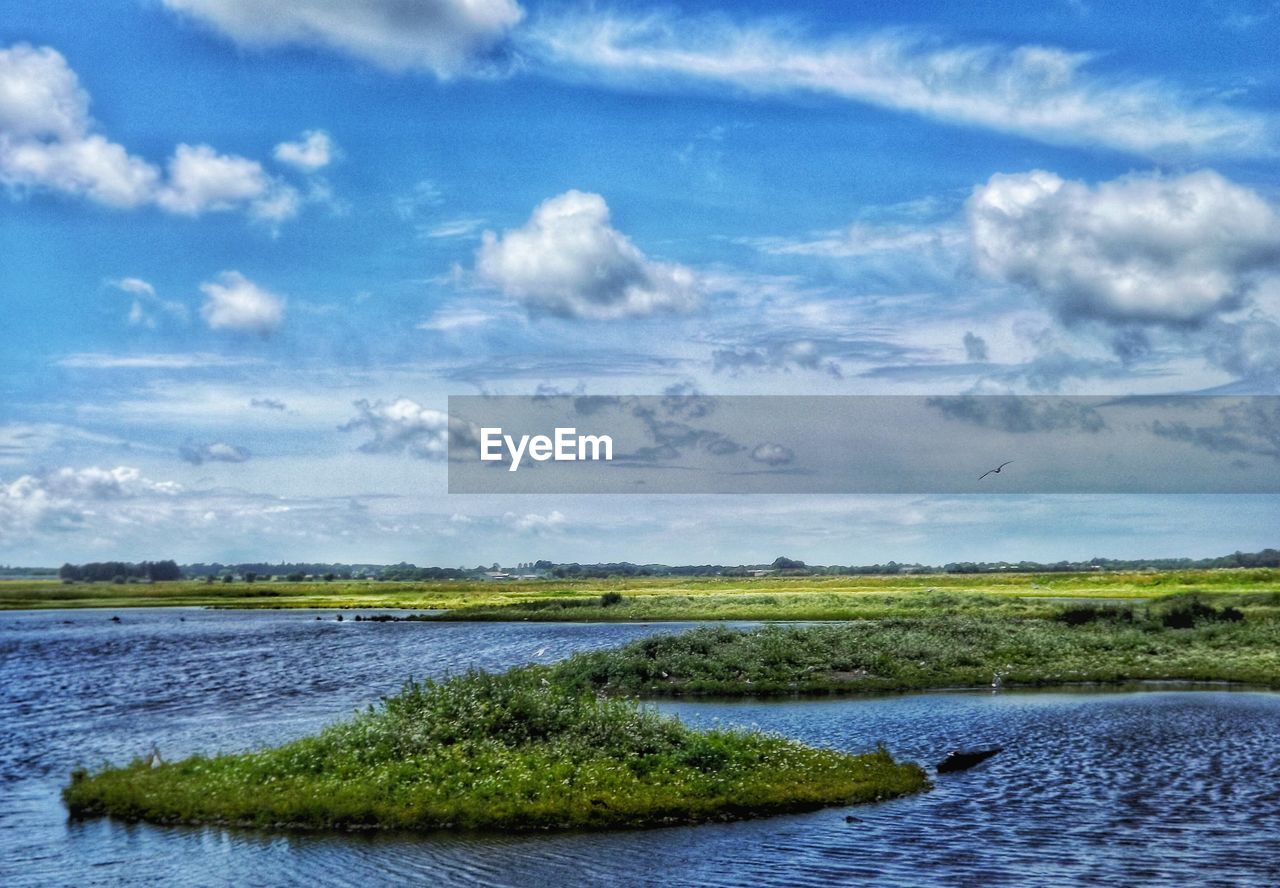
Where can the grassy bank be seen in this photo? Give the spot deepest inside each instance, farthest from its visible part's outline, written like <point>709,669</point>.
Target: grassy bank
<point>511,752</point>
<point>934,652</point>
<point>663,598</point>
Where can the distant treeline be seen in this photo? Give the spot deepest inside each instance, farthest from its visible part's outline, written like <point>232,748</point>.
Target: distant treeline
<point>24,572</point>
<point>120,571</point>
<point>791,567</point>
<point>264,569</point>
<point>168,570</point>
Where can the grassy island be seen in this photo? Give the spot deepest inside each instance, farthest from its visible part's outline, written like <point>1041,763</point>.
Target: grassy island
<point>517,751</point>
<point>1181,641</point>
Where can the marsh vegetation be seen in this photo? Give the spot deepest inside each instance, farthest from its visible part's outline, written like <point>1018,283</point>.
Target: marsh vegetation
<point>515,751</point>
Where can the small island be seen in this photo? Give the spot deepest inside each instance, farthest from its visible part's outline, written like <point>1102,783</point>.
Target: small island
<point>515,751</point>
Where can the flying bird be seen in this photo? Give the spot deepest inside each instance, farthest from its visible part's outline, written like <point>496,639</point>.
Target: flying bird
<point>995,471</point>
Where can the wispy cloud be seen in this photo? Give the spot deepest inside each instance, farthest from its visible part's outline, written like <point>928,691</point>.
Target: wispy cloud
<point>1042,92</point>
<point>156,361</point>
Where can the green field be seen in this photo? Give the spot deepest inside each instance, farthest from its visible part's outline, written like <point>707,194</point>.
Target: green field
<point>656,599</point>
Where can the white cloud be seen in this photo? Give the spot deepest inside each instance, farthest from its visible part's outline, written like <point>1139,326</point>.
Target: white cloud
<point>147,308</point>
<point>862,239</point>
<point>23,442</point>
<point>89,166</point>
<point>536,523</point>
<point>157,361</point>
<point>454,319</point>
<point>65,498</point>
<point>1138,249</point>
<point>401,425</point>
<point>772,454</point>
<point>233,302</point>
<point>452,228</point>
<point>48,143</point>
<point>217,451</point>
<point>136,286</point>
<point>568,261</point>
<point>1037,91</point>
<point>441,36</point>
<point>39,95</point>
<point>313,151</point>
<point>201,180</point>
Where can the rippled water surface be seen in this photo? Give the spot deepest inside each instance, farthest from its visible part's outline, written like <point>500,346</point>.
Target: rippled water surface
<point>1154,787</point>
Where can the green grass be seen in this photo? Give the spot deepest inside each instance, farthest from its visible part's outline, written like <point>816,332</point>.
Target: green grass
<point>918,653</point>
<point>667,598</point>
<point>509,752</point>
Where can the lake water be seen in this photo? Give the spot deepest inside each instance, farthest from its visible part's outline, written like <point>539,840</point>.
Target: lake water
<point>1170,787</point>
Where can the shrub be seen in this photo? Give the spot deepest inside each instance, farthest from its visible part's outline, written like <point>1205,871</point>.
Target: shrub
<point>1081,614</point>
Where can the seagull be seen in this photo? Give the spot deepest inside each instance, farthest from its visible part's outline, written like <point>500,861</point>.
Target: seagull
<point>995,471</point>
<point>539,652</point>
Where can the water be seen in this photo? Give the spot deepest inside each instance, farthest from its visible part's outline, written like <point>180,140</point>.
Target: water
<point>1155,787</point>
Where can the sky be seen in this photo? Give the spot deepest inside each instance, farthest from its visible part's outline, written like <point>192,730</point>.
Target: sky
<point>247,253</point>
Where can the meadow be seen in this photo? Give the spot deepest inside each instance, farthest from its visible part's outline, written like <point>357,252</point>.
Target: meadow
<point>667,598</point>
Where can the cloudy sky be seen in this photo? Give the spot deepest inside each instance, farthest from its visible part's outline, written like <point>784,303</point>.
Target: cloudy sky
<point>246,254</point>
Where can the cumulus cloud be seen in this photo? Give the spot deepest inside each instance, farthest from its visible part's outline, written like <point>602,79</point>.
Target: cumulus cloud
<point>45,134</point>
<point>773,454</point>
<point>314,150</point>
<point>202,181</point>
<point>217,451</point>
<point>65,498</point>
<point>1141,249</point>
<point>403,425</point>
<point>567,260</point>
<point>1041,92</point>
<point>1249,348</point>
<point>233,302</point>
<point>534,522</point>
<point>48,143</point>
<point>444,37</point>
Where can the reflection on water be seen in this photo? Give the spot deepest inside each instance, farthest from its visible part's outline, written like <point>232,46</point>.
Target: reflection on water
<point>1168,787</point>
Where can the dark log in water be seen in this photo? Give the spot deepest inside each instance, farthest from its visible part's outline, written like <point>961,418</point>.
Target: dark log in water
<point>957,760</point>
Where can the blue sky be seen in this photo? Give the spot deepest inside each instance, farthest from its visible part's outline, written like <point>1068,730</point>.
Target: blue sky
<point>245,256</point>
